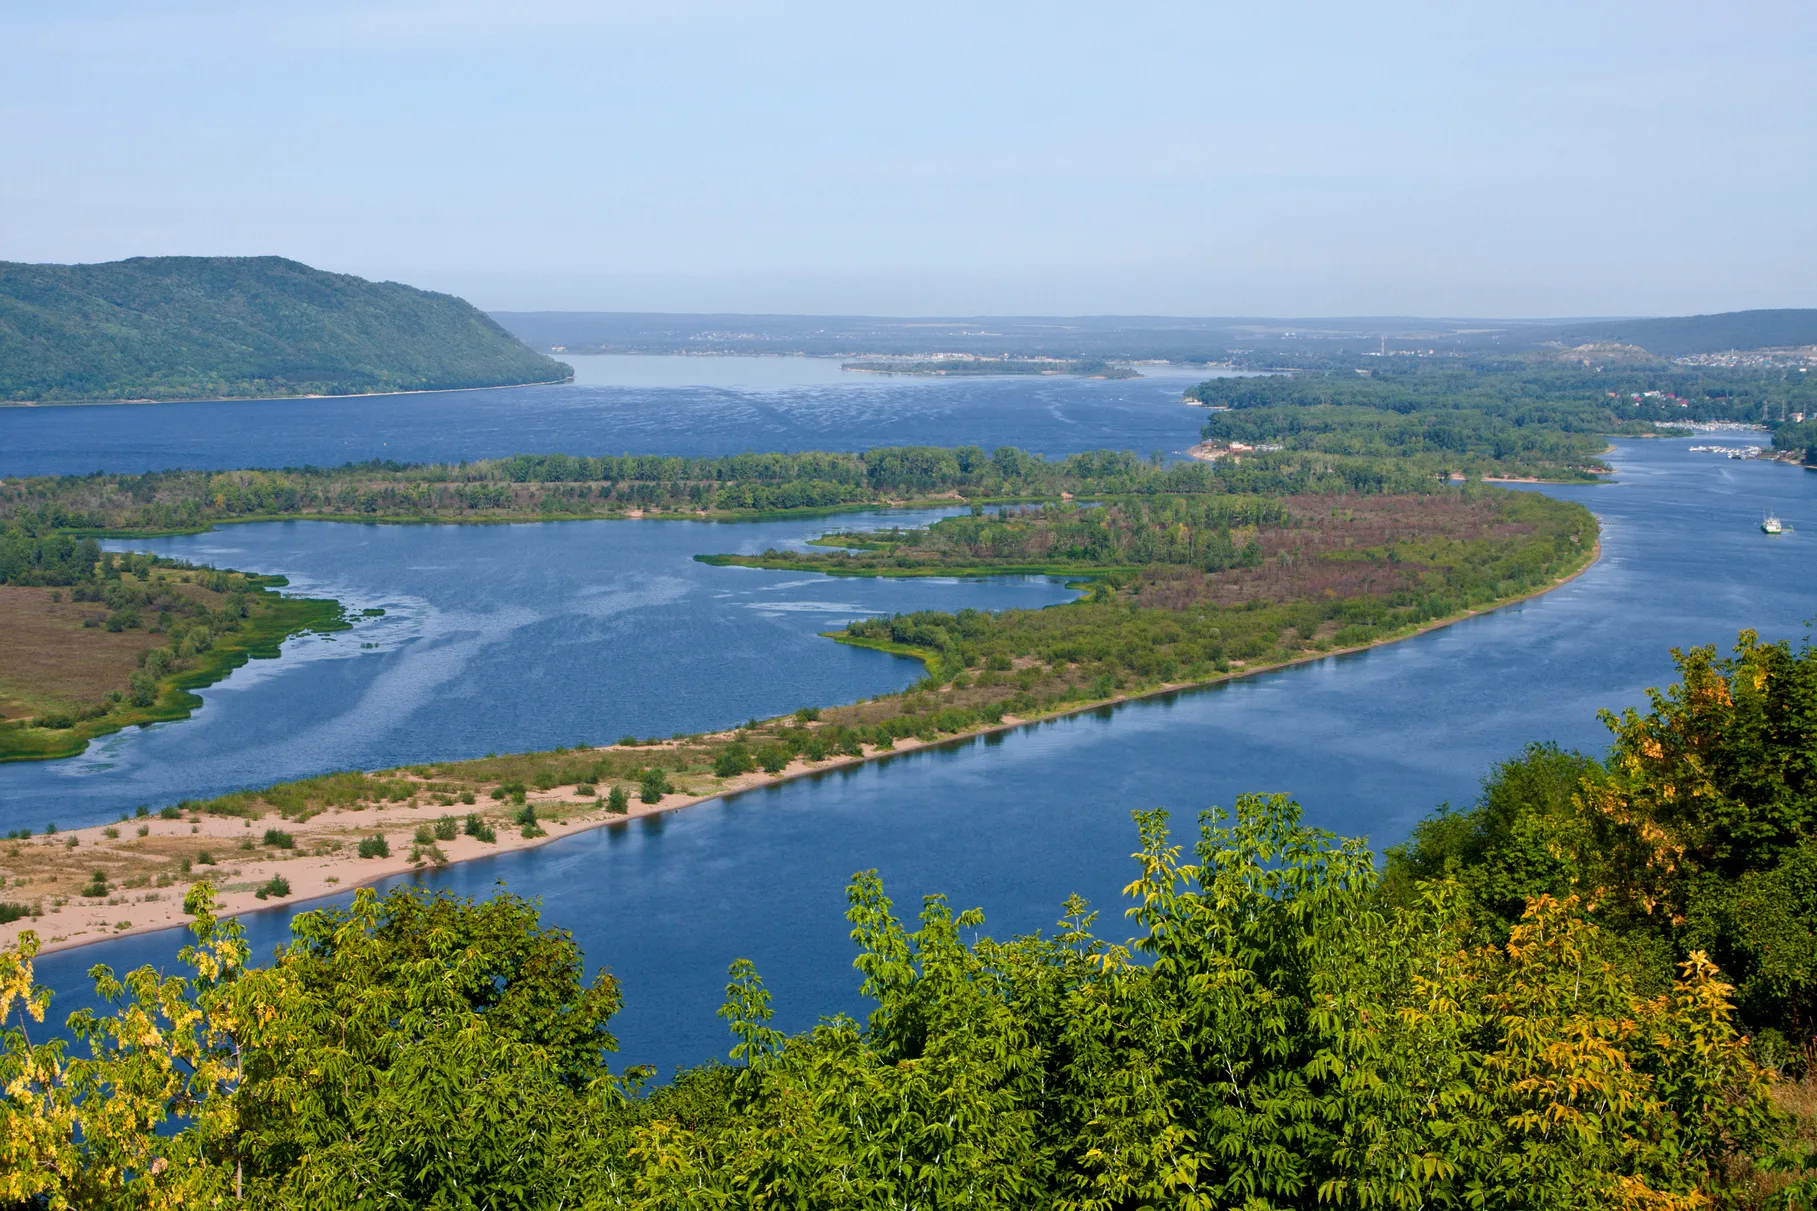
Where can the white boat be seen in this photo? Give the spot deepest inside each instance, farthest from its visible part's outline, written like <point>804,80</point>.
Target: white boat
<point>1772,525</point>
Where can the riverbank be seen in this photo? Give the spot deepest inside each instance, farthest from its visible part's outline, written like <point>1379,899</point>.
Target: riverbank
<point>314,846</point>
<point>260,399</point>
<point>62,713</point>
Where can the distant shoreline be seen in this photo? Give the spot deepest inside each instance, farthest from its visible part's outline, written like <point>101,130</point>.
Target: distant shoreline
<point>259,399</point>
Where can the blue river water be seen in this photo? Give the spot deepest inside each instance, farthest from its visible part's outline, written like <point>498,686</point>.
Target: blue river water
<point>788,405</point>
<point>1368,743</point>
<point>501,639</point>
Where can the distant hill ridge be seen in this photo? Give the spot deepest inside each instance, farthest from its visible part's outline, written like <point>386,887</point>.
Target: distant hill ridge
<point>1115,337</point>
<point>168,328</point>
<point>1685,335</point>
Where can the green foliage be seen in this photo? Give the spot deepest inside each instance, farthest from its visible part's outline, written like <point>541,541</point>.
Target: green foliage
<point>1697,837</point>
<point>1274,1038</point>
<point>277,885</point>
<point>617,802</point>
<point>653,784</point>
<point>277,838</point>
<point>445,828</point>
<point>375,846</point>
<point>477,827</point>
<point>1519,841</point>
<point>732,760</point>
<point>211,327</point>
<point>559,485</point>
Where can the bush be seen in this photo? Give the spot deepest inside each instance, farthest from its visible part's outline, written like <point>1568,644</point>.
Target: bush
<point>11,911</point>
<point>277,838</point>
<point>424,835</point>
<point>445,828</point>
<point>97,885</point>
<point>618,802</point>
<point>277,885</point>
<point>477,827</point>
<point>205,859</point>
<point>732,760</point>
<point>170,812</point>
<point>375,846</point>
<point>774,758</point>
<point>654,785</point>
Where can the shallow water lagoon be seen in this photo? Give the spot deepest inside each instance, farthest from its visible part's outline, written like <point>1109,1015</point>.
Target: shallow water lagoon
<point>1367,742</point>
<point>501,639</point>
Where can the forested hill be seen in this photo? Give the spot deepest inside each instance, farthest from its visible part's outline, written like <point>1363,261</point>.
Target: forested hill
<point>1683,335</point>
<point>166,328</point>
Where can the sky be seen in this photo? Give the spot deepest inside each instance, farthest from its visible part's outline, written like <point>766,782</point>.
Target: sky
<point>985,157</point>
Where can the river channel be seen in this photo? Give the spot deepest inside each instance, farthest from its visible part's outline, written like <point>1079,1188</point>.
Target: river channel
<point>1368,743</point>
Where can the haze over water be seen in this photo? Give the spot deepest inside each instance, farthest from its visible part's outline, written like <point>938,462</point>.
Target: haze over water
<point>1368,743</point>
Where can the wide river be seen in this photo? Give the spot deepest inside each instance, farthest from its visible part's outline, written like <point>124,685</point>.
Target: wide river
<point>490,644</point>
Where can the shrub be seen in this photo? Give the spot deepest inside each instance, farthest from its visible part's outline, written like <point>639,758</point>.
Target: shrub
<point>733,760</point>
<point>654,785</point>
<point>774,758</point>
<point>277,885</point>
<point>97,885</point>
<point>445,828</point>
<point>807,714</point>
<point>467,798</point>
<point>11,911</point>
<point>424,835</point>
<point>205,859</point>
<point>618,802</point>
<point>277,838</point>
<point>170,812</point>
<point>476,827</point>
<point>375,846</point>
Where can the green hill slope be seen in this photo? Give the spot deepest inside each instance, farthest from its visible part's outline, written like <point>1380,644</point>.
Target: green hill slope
<point>166,328</point>
<point>1679,336</point>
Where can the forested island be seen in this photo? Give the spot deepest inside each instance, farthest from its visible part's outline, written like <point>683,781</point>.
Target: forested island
<point>968,364</point>
<point>537,487</point>
<point>177,328</point>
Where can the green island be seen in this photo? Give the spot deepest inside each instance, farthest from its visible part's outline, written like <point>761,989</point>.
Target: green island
<point>1589,989</point>
<point>561,487</point>
<point>177,328</point>
<point>92,642</point>
<point>1184,589</point>
<point>970,365</point>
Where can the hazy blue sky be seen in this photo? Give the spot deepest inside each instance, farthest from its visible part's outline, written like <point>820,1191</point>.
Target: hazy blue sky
<point>1053,157</point>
